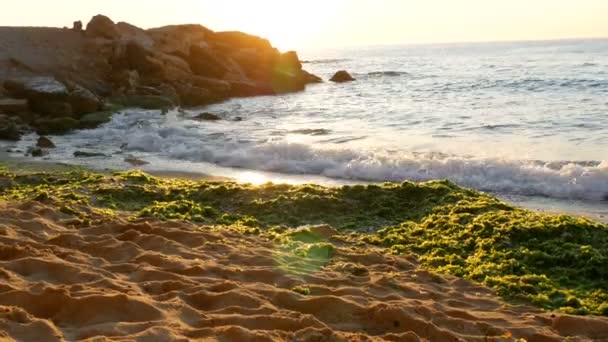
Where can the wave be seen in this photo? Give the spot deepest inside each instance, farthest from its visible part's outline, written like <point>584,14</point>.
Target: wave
<point>567,180</point>
<point>326,61</point>
<point>387,74</point>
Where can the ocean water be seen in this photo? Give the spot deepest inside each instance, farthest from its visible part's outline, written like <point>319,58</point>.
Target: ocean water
<point>515,119</point>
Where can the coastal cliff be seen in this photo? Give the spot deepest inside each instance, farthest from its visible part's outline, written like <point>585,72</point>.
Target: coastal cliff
<point>54,80</point>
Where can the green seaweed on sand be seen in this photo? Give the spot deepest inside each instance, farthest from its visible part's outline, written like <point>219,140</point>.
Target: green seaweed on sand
<point>555,262</point>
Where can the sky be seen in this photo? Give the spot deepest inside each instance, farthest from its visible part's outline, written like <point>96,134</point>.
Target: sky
<point>291,24</point>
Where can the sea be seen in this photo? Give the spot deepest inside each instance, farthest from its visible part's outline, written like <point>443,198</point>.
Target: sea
<point>526,121</point>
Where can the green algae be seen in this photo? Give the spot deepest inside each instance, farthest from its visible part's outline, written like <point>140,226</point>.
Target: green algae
<point>555,262</point>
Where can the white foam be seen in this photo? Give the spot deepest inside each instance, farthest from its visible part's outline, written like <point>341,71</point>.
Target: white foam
<point>170,138</point>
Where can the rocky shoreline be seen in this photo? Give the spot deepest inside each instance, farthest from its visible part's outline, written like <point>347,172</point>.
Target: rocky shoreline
<point>56,80</point>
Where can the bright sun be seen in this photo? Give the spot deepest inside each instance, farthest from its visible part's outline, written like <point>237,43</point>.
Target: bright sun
<point>288,25</point>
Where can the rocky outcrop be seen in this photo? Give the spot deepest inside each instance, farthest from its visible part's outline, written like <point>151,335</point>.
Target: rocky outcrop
<point>342,76</point>
<point>102,27</point>
<point>180,65</point>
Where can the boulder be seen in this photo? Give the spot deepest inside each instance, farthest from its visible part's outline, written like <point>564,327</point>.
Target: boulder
<point>44,142</point>
<point>77,26</point>
<point>249,88</point>
<point>310,78</point>
<point>205,62</point>
<point>38,152</point>
<point>9,129</point>
<point>145,101</point>
<point>101,26</point>
<point>36,87</point>
<point>45,95</point>
<point>239,40</point>
<point>83,154</point>
<point>176,40</point>
<point>286,82</point>
<point>83,102</point>
<point>48,126</point>
<point>94,120</point>
<point>208,117</point>
<point>214,85</point>
<point>190,95</point>
<point>291,60</point>
<point>13,106</point>
<point>342,76</point>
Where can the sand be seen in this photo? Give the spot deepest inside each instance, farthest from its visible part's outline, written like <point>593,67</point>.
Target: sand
<point>148,280</point>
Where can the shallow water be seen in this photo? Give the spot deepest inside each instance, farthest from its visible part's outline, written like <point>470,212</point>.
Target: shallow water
<point>516,119</point>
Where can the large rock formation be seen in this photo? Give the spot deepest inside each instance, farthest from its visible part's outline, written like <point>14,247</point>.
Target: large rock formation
<point>64,77</point>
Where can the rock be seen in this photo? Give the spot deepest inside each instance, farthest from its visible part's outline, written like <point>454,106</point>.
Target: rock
<point>135,161</point>
<point>13,106</point>
<point>94,120</point>
<point>208,117</point>
<point>342,76</point>
<point>45,95</point>
<point>310,78</point>
<point>38,152</point>
<point>77,26</point>
<point>49,126</point>
<point>44,142</point>
<point>205,62</point>
<point>214,85</point>
<point>51,108</point>
<point>102,27</point>
<point>237,119</point>
<point>176,40</point>
<point>194,96</point>
<point>290,60</point>
<point>9,130</point>
<point>83,154</point>
<point>36,87</point>
<point>249,88</point>
<point>84,102</point>
<point>284,81</point>
<point>145,101</point>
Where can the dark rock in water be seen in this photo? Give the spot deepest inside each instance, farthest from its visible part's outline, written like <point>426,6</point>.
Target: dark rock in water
<point>342,76</point>
<point>194,96</point>
<point>237,119</point>
<point>47,126</point>
<point>94,120</point>
<point>135,161</point>
<point>82,154</point>
<point>145,101</point>
<point>102,27</point>
<point>208,117</point>
<point>44,142</point>
<point>39,152</point>
<point>9,129</point>
<point>13,106</point>
<point>83,102</point>
<point>310,78</point>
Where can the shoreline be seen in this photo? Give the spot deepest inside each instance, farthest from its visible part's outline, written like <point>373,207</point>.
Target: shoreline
<point>591,210</point>
<point>293,261</point>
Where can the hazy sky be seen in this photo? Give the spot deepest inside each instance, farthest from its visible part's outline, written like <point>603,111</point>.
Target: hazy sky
<point>307,23</point>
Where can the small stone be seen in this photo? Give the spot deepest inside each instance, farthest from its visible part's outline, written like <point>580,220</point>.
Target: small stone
<point>82,154</point>
<point>39,152</point>
<point>208,117</point>
<point>342,76</point>
<point>135,161</point>
<point>44,142</point>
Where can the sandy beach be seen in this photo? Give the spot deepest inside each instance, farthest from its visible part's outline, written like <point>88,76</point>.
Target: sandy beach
<point>172,281</point>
